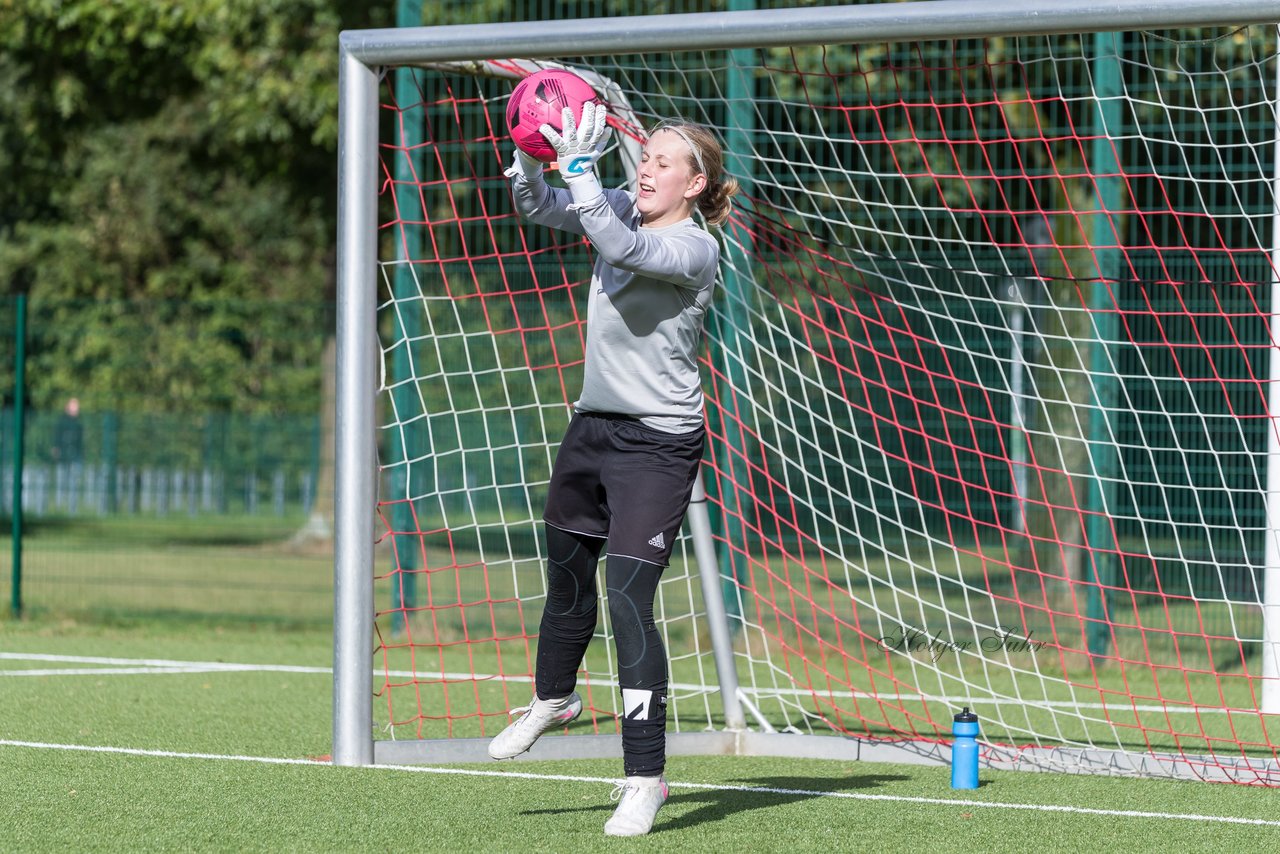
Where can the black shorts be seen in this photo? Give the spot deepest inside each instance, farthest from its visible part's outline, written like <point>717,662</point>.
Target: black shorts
<point>616,478</point>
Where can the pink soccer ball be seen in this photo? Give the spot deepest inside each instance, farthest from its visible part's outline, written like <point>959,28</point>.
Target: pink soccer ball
<point>537,100</point>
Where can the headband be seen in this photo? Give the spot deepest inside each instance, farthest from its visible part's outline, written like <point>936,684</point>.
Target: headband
<point>697,155</point>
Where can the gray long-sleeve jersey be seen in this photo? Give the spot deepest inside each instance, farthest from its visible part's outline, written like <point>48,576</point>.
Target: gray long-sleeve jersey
<point>650,291</point>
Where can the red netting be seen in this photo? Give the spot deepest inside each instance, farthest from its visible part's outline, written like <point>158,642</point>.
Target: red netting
<point>987,396</point>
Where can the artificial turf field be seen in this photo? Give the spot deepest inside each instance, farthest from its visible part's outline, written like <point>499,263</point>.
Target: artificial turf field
<point>199,735</point>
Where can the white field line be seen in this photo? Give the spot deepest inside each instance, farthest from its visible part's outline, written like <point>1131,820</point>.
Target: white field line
<point>144,665</point>
<point>717,787</point>
<point>153,666</point>
<point>104,671</point>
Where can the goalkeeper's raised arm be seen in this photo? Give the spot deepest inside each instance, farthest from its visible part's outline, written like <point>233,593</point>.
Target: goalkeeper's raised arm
<point>625,469</point>
<point>543,204</point>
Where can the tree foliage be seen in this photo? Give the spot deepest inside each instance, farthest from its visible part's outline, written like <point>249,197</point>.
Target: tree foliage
<point>171,207</point>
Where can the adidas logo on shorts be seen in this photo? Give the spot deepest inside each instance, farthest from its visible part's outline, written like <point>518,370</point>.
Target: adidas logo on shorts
<point>658,542</point>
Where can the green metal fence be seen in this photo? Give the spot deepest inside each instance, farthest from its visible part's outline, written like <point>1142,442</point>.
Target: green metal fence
<point>144,463</point>
<point>140,496</point>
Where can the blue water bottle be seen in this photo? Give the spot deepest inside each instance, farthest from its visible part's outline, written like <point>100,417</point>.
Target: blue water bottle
<point>964,753</point>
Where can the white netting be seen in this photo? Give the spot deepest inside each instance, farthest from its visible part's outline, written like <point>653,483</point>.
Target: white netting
<point>987,394</point>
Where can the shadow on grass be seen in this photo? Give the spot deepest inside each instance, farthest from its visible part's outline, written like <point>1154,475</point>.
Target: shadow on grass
<point>716,804</point>
<point>176,529</point>
<point>161,619</point>
<point>713,804</point>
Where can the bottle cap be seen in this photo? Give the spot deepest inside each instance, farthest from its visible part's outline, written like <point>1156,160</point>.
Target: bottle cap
<point>966,717</point>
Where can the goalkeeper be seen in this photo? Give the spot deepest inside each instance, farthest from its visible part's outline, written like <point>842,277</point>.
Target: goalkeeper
<point>625,469</point>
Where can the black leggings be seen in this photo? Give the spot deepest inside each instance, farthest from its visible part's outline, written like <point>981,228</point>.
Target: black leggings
<point>569,620</point>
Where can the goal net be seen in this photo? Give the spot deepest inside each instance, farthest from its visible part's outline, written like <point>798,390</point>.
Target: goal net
<point>989,384</point>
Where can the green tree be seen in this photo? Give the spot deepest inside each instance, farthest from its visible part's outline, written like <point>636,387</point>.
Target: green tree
<point>172,200</point>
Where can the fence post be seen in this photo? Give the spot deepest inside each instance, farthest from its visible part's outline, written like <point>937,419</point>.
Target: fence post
<point>407,442</point>
<point>110,460</point>
<point>19,392</point>
<point>1105,238</point>
<point>735,325</point>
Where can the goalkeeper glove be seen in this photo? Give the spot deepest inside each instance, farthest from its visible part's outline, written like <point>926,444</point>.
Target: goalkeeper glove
<point>578,148</point>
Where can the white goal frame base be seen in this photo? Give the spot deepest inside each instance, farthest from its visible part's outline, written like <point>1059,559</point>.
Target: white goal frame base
<point>447,751</point>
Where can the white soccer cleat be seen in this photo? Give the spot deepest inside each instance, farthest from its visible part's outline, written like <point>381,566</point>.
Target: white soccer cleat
<point>538,717</point>
<point>641,798</point>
